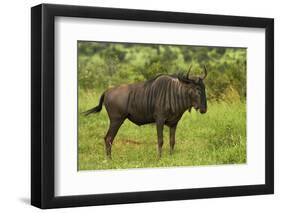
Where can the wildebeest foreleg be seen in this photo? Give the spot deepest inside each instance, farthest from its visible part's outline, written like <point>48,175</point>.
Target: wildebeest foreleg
<point>160,126</point>
<point>172,137</point>
<point>111,133</point>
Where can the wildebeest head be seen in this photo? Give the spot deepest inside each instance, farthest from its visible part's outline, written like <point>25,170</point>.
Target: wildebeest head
<point>197,91</point>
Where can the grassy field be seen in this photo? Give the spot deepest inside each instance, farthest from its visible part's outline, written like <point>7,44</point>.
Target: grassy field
<point>217,137</point>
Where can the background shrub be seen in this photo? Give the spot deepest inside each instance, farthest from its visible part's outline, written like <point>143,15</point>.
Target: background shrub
<point>102,65</point>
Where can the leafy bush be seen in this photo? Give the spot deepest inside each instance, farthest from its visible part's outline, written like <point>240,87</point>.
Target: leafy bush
<point>102,65</point>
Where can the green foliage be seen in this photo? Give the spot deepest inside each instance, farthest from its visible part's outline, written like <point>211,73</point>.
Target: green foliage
<point>215,138</point>
<point>102,65</point>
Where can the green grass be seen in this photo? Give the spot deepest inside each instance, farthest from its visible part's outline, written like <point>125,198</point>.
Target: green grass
<point>215,138</point>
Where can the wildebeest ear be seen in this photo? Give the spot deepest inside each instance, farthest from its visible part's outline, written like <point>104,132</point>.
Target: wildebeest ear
<point>188,81</point>
<point>187,75</point>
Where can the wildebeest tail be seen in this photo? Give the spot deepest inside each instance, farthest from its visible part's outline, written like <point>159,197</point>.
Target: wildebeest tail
<point>95,109</point>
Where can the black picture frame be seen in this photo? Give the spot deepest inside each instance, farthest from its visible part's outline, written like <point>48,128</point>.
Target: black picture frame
<point>43,105</point>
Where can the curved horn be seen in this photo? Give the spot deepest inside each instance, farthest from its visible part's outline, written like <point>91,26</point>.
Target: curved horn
<point>205,73</point>
<point>187,75</point>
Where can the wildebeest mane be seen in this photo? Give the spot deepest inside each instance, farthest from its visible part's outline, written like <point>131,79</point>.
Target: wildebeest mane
<point>180,76</point>
<point>165,91</point>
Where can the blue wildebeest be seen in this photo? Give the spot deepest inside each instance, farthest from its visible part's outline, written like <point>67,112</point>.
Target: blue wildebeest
<point>161,100</point>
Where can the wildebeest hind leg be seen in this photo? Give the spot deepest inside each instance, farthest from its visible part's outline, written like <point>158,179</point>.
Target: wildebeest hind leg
<point>111,133</point>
